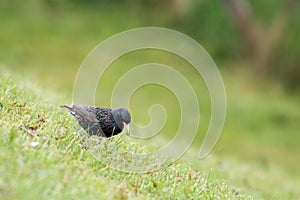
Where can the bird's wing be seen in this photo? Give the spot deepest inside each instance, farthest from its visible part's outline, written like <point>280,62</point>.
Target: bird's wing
<point>84,112</point>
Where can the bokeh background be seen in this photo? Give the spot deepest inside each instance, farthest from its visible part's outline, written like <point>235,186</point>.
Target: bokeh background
<point>254,43</point>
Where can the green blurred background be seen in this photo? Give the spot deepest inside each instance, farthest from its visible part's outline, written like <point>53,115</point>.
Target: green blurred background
<point>254,43</point>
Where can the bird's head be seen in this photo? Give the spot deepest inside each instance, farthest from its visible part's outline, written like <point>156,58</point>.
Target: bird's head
<point>122,118</point>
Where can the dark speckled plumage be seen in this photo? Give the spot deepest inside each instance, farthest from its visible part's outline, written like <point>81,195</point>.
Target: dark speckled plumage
<point>104,122</point>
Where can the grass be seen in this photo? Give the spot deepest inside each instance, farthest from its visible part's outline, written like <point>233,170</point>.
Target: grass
<point>262,121</point>
<point>42,147</point>
<point>43,156</point>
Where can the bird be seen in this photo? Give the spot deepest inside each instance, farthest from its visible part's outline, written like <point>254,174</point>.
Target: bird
<point>103,122</point>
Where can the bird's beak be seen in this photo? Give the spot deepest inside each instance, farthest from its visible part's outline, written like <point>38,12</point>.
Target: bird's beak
<point>126,128</point>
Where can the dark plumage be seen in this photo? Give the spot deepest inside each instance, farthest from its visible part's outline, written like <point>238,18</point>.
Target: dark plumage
<point>104,122</point>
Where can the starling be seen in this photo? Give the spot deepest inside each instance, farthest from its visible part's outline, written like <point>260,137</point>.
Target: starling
<point>104,122</point>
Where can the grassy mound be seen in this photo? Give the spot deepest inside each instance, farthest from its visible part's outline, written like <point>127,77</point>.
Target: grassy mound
<point>43,156</point>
